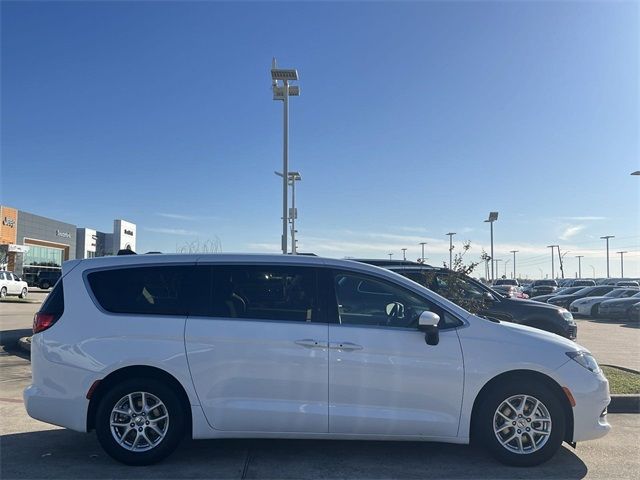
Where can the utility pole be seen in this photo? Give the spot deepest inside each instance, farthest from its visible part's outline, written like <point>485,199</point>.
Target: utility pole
<point>493,216</point>
<point>606,238</point>
<point>404,253</point>
<point>579,257</point>
<point>553,272</point>
<point>497,267</point>
<point>514,263</point>
<point>622,263</point>
<point>506,262</point>
<point>451,234</point>
<point>560,261</point>
<point>390,255</point>
<point>422,244</point>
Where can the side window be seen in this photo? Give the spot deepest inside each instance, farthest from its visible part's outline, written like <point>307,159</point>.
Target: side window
<point>2,277</point>
<point>154,290</point>
<point>10,276</point>
<point>270,292</point>
<point>367,301</point>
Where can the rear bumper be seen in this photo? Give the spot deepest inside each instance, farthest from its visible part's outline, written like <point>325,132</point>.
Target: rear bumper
<point>49,408</point>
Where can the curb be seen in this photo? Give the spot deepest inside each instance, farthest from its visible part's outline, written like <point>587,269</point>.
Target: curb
<point>619,403</point>
<point>624,404</point>
<point>25,344</point>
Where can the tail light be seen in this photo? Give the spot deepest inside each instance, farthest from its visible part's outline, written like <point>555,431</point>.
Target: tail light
<point>42,321</point>
<point>51,309</point>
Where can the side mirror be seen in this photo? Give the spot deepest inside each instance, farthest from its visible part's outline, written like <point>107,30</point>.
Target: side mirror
<point>428,323</point>
<point>487,297</point>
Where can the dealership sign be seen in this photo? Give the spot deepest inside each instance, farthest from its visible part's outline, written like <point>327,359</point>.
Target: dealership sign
<point>9,222</point>
<point>18,248</point>
<point>63,234</point>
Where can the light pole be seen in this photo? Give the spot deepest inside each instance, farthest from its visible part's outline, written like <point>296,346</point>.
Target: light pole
<point>622,263</point>
<point>293,211</point>
<point>493,216</point>
<point>541,273</point>
<point>514,263</point>
<point>594,271</point>
<point>280,79</point>
<point>579,257</point>
<point>497,268</point>
<point>553,276</point>
<point>606,238</point>
<point>506,262</point>
<point>390,255</point>
<point>404,253</point>
<point>422,244</point>
<point>451,234</point>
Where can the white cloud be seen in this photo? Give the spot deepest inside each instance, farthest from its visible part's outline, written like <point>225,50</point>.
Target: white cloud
<point>189,218</point>
<point>172,231</point>
<point>571,231</point>
<point>583,219</point>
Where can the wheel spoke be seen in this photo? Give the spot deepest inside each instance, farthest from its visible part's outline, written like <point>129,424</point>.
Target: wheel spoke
<point>119,424</point>
<point>540,432</point>
<point>504,416</point>
<point>127,411</point>
<point>124,435</point>
<point>504,427</point>
<point>534,447</point>
<point>530,420</point>
<point>153,427</point>
<point>504,442</point>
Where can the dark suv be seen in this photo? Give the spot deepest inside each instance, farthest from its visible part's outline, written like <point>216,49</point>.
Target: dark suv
<point>47,280</point>
<point>481,300</point>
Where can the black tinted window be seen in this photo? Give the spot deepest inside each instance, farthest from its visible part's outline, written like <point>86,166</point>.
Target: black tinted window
<point>157,290</point>
<point>54,303</point>
<point>265,293</point>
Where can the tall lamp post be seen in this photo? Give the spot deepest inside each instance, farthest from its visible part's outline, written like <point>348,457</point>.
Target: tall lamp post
<point>280,79</point>
<point>506,262</point>
<point>579,257</point>
<point>514,263</point>
<point>622,263</point>
<point>390,255</point>
<point>451,234</point>
<point>493,216</point>
<point>553,275</point>
<point>404,253</point>
<point>293,211</point>
<point>422,244</point>
<point>606,238</point>
<point>497,267</point>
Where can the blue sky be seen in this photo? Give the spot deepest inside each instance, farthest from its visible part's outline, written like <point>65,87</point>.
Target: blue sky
<point>415,119</point>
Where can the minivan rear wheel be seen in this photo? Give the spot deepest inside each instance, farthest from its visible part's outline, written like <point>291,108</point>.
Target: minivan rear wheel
<point>522,423</point>
<point>140,421</point>
<point>24,293</point>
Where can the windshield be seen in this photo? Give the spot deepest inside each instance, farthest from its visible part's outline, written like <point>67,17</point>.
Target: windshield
<point>546,282</point>
<point>585,291</point>
<point>620,292</point>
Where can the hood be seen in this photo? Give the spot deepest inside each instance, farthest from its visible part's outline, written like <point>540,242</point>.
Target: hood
<point>526,335</point>
<point>589,299</point>
<point>532,304</point>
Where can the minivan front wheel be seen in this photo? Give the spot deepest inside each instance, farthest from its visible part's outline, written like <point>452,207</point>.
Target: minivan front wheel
<point>522,423</point>
<point>140,421</point>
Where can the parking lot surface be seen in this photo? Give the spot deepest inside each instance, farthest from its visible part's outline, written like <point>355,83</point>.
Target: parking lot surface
<point>31,449</point>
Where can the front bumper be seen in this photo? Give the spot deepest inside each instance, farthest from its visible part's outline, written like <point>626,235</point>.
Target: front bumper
<point>591,393</point>
<point>583,309</point>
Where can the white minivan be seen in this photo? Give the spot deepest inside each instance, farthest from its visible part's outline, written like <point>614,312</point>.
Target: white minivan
<point>145,349</point>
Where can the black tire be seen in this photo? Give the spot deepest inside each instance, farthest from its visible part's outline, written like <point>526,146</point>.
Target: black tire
<point>24,293</point>
<point>630,316</point>
<point>45,285</point>
<point>3,292</point>
<point>484,423</point>
<point>175,427</point>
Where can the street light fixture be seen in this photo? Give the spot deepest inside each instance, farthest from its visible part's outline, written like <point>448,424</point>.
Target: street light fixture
<point>280,78</point>
<point>514,263</point>
<point>622,263</point>
<point>422,257</point>
<point>553,276</point>
<point>579,257</point>
<point>606,238</point>
<point>637,172</point>
<point>404,253</point>
<point>390,255</point>
<point>451,234</point>
<point>493,216</point>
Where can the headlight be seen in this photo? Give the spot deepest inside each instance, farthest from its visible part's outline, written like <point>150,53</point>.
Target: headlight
<point>585,359</point>
<point>567,315</point>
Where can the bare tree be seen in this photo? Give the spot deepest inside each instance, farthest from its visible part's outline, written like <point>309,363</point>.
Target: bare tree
<point>211,245</point>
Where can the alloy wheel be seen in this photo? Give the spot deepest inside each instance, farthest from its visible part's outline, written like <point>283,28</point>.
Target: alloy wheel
<point>139,421</point>
<point>522,424</point>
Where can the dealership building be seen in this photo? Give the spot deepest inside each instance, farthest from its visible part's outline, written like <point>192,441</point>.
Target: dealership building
<point>31,243</point>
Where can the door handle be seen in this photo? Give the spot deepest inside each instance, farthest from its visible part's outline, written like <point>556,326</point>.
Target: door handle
<point>345,346</point>
<point>310,343</point>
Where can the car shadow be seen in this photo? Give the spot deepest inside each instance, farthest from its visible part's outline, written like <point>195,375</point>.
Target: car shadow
<point>63,453</point>
<point>9,341</point>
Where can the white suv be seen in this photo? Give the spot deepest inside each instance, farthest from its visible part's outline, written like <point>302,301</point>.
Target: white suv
<point>147,348</point>
<point>11,284</point>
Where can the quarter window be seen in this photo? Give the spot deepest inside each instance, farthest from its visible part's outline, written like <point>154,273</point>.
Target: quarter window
<point>157,290</point>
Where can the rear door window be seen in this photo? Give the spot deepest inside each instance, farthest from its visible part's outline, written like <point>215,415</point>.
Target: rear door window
<point>269,292</point>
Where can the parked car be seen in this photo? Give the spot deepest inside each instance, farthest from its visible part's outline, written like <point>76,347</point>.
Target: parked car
<point>47,280</point>
<point>627,283</point>
<point>229,346</point>
<point>581,282</point>
<point>618,308</point>
<point>11,284</point>
<point>506,281</point>
<point>565,300</point>
<point>542,287</point>
<point>588,306</point>
<point>510,291</point>
<point>484,301</point>
<point>560,291</point>
<point>634,313</point>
